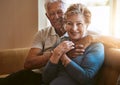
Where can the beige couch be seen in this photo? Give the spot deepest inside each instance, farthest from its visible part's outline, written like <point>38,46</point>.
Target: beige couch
<point>12,60</point>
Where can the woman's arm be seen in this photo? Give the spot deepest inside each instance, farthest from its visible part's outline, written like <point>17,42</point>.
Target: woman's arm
<point>51,68</point>
<point>91,63</point>
<point>50,72</point>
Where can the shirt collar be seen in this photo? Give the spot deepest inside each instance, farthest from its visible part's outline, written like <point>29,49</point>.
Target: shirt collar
<point>65,35</point>
<point>52,29</point>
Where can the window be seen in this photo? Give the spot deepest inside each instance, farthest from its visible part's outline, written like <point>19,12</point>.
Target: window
<point>42,19</point>
<point>100,15</point>
<point>105,15</point>
<point>117,23</point>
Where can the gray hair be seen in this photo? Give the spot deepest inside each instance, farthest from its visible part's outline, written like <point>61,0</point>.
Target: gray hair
<point>47,2</point>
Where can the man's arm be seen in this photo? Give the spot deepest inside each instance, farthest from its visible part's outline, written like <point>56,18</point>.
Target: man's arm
<point>86,41</point>
<point>80,46</point>
<point>36,59</point>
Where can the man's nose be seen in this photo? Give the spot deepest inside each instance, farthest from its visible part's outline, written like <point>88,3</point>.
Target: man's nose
<point>56,15</point>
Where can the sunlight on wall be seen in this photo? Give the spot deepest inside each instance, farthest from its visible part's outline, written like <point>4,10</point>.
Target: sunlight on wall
<point>100,19</point>
<point>42,19</point>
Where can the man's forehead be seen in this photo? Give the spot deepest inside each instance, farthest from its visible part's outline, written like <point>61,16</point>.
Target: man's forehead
<point>56,6</point>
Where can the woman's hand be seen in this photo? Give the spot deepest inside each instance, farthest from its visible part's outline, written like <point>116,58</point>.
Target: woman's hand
<point>65,60</point>
<point>61,49</point>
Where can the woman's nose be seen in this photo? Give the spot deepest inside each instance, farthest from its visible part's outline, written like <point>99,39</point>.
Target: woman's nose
<point>74,27</point>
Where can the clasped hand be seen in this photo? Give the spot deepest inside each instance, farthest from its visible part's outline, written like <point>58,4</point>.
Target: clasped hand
<point>69,48</point>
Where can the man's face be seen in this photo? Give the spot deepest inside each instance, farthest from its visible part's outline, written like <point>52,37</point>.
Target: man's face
<point>55,14</point>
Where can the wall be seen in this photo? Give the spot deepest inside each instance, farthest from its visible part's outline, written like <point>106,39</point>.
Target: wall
<point>42,19</point>
<point>18,23</point>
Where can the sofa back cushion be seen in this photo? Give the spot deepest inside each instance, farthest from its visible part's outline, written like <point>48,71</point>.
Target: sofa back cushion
<point>12,60</point>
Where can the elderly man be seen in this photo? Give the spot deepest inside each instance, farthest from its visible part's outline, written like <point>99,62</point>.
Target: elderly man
<point>42,47</point>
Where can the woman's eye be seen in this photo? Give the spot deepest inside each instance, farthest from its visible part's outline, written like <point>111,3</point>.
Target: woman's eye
<point>79,24</point>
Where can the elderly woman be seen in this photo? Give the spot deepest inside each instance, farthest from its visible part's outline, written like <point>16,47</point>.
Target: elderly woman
<point>61,69</point>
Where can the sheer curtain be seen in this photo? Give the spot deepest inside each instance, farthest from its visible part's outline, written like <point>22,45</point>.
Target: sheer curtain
<point>117,20</point>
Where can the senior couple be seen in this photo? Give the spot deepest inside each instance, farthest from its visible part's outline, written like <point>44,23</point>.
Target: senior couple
<point>66,50</point>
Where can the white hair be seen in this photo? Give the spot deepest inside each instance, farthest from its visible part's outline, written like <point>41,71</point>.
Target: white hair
<point>47,2</point>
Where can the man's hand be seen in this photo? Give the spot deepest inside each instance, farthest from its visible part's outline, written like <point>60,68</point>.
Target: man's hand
<point>78,50</point>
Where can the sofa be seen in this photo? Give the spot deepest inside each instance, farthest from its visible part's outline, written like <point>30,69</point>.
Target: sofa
<point>12,60</point>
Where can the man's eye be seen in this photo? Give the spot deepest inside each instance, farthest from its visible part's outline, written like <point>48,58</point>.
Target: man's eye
<point>51,14</point>
<point>59,12</point>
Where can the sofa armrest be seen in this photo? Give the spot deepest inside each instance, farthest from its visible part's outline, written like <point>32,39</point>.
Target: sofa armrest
<point>112,58</point>
<point>12,60</point>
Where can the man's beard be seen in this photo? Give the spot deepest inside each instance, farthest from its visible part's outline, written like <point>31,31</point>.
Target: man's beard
<point>58,24</point>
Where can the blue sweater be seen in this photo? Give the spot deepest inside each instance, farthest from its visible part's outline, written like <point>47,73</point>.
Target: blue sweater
<point>80,71</point>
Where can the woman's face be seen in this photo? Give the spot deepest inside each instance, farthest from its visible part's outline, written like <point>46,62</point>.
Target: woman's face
<point>75,26</point>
